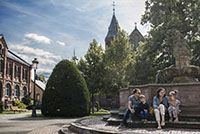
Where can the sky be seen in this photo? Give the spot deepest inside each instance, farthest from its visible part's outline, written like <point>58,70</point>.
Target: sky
<point>50,30</point>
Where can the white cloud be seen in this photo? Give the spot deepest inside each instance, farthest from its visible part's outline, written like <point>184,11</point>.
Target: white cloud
<point>37,38</point>
<point>25,50</point>
<point>46,59</point>
<point>60,43</point>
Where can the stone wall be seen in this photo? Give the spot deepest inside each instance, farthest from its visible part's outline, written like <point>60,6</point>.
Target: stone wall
<point>189,95</point>
<point>108,102</point>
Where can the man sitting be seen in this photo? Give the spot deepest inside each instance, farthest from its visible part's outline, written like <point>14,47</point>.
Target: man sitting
<point>133,102</point>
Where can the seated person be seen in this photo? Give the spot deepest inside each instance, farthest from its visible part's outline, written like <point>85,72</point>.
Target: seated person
<point>143,108</point>
<point>160,105</point>
<point>173,106</point>
<point>133,101</point>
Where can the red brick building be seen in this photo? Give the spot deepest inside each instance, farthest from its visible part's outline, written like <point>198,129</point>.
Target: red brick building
<point>15,75</point>
<point>39,90</point>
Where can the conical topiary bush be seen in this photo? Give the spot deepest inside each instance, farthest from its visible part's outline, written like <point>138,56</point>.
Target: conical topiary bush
<point>66,92</point>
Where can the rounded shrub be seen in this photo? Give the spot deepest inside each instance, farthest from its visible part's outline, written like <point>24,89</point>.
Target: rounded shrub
<point>66,92</point>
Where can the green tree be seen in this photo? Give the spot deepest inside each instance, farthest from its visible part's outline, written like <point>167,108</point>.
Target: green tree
<point>92,69</point>
<point>140,70</point>
<point>66,92</point>
<point>167,17</point>
<point>41,78</point>
<point>116,59</point>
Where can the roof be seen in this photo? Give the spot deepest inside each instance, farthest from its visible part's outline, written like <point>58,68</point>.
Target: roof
<point>40,84</point>
<point>137,31</point>
<point>13,56</point>
<point>3,40</point>
<point>113,28</point>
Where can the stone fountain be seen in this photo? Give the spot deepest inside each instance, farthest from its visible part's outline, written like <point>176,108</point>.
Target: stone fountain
<point>182,72</point>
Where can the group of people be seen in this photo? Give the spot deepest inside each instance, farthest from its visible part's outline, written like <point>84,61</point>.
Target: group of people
<point>162,104</point>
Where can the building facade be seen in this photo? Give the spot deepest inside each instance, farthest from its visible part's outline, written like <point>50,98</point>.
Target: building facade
<point>39,90</point>
<point>135,36</point>
<point>15,75</point>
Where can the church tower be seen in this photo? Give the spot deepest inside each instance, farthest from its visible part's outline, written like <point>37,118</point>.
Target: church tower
<point>112,30</point>
<point>135,38</point>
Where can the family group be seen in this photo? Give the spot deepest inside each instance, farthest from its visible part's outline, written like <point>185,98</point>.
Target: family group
<point>162,105</point>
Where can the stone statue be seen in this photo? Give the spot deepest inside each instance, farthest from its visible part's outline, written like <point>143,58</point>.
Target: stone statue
<point>182,72</point>
<point>181,51</point>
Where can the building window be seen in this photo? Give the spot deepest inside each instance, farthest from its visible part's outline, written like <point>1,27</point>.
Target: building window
<point>38,97</point>
<point>15,71</point>
<point>17,91</point>
<point>26,73</point>
<point>18,72</point>
<point>1,65</point>
<point>9,69</point>
<point>23,73</point>
<point>136,41</point>
<point>8,90</point>
<point>24,92</point>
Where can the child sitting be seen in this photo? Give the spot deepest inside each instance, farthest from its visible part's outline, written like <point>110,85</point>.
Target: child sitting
<point>143,108</point>
<point>173,106</point>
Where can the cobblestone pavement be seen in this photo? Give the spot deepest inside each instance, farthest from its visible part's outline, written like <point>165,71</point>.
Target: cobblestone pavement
<point>20,124</point>
<point>99,124</point>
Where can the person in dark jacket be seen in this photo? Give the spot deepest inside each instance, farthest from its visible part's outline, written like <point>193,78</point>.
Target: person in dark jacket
<point>143,108</point>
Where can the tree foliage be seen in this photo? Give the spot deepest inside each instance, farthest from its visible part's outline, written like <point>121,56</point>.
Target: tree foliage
<point>116,59</point>
<point>66,92</point>
<point>165,18</point>
<point>41,78</point>
<point>92,69</point>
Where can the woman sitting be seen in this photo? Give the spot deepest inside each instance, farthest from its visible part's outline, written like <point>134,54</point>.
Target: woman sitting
<point>160,105</point>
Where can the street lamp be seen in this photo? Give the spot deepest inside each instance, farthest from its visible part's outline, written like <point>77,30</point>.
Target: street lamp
<point>34,66</point>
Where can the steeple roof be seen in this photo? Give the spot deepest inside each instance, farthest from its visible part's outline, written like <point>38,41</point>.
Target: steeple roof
<point>113,28</point>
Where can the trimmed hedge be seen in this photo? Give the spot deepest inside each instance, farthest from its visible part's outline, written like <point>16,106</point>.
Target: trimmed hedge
<point>1,106</point>
<point>66,92</point>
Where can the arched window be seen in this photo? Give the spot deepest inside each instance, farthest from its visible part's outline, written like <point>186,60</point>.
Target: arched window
<point>17,91</point>
<point>8,90</point>
<point>38,97</point>
<point>136,41</point>
<point>24,92</point>
<point>1,65</point>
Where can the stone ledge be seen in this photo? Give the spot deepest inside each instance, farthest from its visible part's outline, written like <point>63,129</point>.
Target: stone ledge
<point>153,124</point>
<point>97,126</point>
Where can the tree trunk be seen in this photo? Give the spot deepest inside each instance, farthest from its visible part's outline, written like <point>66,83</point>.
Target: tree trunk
<point>92,103</point>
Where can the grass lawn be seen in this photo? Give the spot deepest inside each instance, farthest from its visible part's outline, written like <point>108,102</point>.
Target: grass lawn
<point>99,113</point>
<point>12,112</point>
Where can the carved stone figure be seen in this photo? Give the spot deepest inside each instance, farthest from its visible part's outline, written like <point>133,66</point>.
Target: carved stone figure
<point>182,72</point>
<point>181,51</point>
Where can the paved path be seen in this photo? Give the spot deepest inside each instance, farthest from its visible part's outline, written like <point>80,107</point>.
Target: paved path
<point>20,124</point>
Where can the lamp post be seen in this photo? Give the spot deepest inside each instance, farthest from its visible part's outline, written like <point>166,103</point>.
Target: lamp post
<point>34,66</point>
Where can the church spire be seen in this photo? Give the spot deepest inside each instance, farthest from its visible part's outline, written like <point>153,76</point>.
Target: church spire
<point>113,7</point>
<point>113,28</point>
<point>74,56</point>
<point>135,25</point>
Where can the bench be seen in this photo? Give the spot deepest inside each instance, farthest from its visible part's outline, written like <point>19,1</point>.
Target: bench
<point>15,108</point>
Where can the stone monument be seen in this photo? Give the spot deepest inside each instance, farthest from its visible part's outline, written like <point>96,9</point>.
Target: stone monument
<point>182,72</point>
